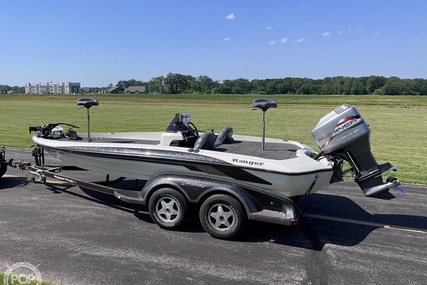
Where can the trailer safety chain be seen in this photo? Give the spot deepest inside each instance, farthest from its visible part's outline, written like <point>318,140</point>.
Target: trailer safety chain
<point>26,182</point>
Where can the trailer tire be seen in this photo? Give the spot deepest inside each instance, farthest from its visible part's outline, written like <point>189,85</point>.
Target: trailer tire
<point>3,168</point>
<point>222,216</point>
<point>168,208</point>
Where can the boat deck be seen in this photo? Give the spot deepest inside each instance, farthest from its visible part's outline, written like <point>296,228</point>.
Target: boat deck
<point>126,141</point>
<point>277,151</point>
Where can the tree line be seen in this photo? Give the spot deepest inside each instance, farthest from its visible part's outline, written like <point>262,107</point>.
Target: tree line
<point>175,83</point>
<point>11,89</point>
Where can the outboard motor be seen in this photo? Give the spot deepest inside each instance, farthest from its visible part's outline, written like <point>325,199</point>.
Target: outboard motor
<point>344,135</point>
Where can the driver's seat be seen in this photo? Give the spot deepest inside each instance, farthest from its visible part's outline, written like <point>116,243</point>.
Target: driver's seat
<point>205,141</point>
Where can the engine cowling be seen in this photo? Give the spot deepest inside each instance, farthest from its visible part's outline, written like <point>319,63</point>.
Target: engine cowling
<point>344,134</point>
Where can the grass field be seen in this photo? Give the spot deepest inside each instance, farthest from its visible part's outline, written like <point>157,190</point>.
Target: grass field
<point>398,123</point>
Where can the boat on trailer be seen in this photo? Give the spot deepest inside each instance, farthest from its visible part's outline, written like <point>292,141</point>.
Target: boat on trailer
<point>192,166</point>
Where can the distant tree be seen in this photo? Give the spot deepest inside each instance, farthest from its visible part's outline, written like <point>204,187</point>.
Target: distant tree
<point>176,83</point>
<point>205,84</point>
<point>157,85</point>
<point>358,87</point>
<point>259,86</point>
<point>241,86</point>
<point>392,86</point>
<point>226,87</point>
<point>373,83</point>
<point>274,86</point>
<point>419,86</point>
<point>327,86</point>
<point>131,82</point>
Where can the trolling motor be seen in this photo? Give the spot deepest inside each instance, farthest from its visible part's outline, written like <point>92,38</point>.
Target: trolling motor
<point>264,104</point>
<point>87,103</point>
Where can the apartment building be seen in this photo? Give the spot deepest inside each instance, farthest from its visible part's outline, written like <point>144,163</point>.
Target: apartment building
<point>52,88</point>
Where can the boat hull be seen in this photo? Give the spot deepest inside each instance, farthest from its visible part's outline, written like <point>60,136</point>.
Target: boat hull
<point>291,177</point>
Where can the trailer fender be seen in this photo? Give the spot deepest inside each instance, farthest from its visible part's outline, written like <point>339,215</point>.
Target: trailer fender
<point>197,189</point>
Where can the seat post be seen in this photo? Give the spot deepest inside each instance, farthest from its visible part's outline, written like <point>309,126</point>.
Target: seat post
<point>264,104</point>
<point>263,129</point>
<point>88,125</point>
<point>87,103</point>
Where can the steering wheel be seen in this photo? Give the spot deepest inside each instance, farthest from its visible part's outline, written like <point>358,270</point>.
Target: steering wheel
<point>188,131</point>
<point>193,129</point>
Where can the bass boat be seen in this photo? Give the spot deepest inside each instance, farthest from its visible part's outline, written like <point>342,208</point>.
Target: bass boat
<point>284,167</point>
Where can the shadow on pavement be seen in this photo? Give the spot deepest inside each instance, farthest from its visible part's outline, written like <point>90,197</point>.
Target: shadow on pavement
<point>330,219</point>
<point>327,219</point>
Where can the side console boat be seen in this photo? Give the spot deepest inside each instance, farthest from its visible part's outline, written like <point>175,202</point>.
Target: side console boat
<point>257,178</point>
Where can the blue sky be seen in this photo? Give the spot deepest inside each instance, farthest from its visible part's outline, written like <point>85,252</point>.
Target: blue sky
<point>101,42</point>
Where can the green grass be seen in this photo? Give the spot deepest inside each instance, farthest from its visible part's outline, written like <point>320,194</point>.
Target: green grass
<point>398,123</point>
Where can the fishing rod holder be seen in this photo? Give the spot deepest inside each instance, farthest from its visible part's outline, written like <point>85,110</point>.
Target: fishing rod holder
<point>264,104</point>
<point>87,103</point>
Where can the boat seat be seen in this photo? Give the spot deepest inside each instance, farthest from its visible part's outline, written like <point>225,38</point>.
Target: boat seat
<point>87,102</point>
<point>225,136</point>
<point>264,104</point>
<point>205,141</point>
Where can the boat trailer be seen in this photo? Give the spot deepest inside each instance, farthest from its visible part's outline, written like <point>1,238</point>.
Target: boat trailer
<point>224,207</point>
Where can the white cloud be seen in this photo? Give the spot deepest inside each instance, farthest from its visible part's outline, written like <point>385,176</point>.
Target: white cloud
<point>227,39</point>
<point>283,40</point>
<point>269,28</point>
<point>272,43</point>
<point>299,40</point>
<point>326,34</point>
<point>230,17</point>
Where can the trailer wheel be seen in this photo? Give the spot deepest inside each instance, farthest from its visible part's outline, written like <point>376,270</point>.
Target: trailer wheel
<point>168,209</point>
<point>3,168</point>
<point>222,216</point>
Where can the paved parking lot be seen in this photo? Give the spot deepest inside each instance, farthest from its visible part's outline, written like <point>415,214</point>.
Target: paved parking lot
<point>76,236</point>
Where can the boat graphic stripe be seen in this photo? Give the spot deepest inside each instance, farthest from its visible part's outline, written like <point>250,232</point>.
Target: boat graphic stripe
<point>192,161</point>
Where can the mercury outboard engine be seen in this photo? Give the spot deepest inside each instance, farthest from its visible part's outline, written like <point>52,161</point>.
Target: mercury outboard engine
<point>344,135</point>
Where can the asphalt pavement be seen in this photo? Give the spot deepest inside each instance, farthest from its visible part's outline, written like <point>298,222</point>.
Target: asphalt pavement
<point>76,236</point>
